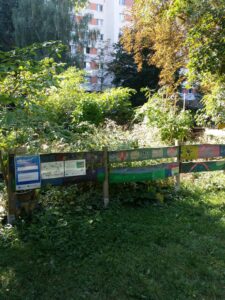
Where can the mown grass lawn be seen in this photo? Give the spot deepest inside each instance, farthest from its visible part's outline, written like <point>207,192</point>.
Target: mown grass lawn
<point>159,251</point>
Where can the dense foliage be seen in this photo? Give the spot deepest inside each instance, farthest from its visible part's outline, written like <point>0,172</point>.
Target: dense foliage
<point>40,21</point>
<point>43,101</point>
<point>70,242</point>
<point>125,73</point>
<point>181,33</point>
<point>44,107</point>
<point>185,35</point>
<point>172,122</point>
<point>6,24</point>
<point>24,22</point>
<point>25,73</point>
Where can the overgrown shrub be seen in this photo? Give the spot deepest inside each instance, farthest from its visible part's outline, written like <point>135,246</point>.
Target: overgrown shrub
<point>56,114</point>
<point>214,101</point>
<point>116,104</point>
<point>163,113</point>
<point>73,105</point>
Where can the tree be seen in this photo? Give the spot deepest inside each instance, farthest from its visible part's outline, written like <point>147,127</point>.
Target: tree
<point>127,74</point>
<point>183,34</point>
<point>24,22</point>
<point>153,29</point>
<point>6,24</point>
<point>204,23</point>
<point>27,73</point>
<point>81,37</point>
<point>39,21</point>
<point>102,61</point>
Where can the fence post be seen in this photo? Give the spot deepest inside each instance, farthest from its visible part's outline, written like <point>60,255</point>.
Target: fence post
<point>177,177</point>
<point>10,189</point>
<point>3,169</point>
<point>106,180</point>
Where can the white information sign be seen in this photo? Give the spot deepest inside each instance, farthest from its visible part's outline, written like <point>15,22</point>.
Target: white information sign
<point>75,167</point>
<point>27,172</point>
<point>50,170</point>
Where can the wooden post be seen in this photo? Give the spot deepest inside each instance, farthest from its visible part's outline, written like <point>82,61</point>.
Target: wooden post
<point>3,169</point>
<point>10,189</point>
<point>177,177</point>
<point>106,180</point>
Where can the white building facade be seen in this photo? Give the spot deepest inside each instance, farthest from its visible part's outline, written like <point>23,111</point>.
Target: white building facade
<point>108,19</point>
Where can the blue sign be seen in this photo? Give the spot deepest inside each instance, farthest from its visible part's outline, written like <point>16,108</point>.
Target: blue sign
<point>222,150</point>
<point>27,172</point>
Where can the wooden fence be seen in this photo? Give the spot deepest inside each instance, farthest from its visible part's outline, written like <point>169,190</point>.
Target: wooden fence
<point>30,172</point>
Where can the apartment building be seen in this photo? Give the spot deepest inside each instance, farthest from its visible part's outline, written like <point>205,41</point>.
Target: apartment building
<point>108,17</point>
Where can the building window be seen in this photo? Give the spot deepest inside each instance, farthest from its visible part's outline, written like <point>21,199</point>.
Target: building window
<point>122,17</point>
<point>73,49</point>
<point>87,65</point>
<point>122,2</point>
<point>101,37</point>
<point>99,7</point>
<point>99,22</point>
<point>72,34</point>
<point>93,51</point>
<point>88,50</point>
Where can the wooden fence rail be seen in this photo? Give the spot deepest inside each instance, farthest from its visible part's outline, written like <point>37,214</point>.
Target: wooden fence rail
<point>29,172</point>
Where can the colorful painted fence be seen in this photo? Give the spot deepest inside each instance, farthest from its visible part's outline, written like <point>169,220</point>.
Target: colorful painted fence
<point>198,152</point>
<point>204,166</point>
<point>29,172</point>
<point>193,152</point>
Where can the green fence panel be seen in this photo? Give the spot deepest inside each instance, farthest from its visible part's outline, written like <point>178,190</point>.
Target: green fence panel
<point>155,172</point>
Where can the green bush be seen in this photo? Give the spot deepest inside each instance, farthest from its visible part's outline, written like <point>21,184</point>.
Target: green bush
<point>88,110</point>
<point>60,113</point>
<point>164,114</point>
<point>73,105</point>
<point>95,108</point>
<point>116,104</point>
<point>213,100</point>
